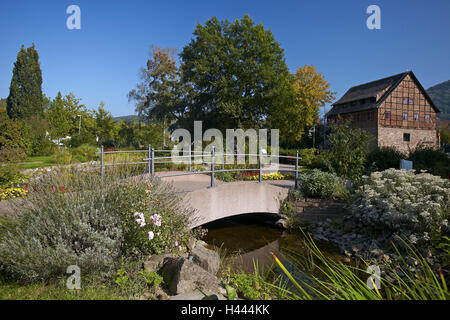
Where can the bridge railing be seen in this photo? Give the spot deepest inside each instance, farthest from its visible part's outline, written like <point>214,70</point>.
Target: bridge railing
<point>151,160</point>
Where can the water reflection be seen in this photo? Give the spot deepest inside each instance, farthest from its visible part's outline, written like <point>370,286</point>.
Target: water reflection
<point>248,240</point>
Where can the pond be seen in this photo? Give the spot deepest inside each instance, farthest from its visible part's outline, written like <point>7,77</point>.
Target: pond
<point>250,238</point>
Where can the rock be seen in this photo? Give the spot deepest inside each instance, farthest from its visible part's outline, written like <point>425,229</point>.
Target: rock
<point>197,295</point>
<point>146,296</point>
<point>376,252</point>
<point>282,223</point>
<point>155,262</point>
<point>161,294</point>
<point>182,275</point>
<point>206,258</point>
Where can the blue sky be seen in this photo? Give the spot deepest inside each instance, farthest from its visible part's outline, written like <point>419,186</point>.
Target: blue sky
<point>101,61</point>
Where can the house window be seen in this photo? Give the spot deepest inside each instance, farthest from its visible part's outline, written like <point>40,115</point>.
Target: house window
<point>405,100</point>
<point>405,116</point>
<point>369,116</point>
<point>427,118</point>
<point>387,115</point>
<point>407,137</point>
<point>416,117</point>
<point>363,101</point>
<point>357,117</point>
<point>411,101</point>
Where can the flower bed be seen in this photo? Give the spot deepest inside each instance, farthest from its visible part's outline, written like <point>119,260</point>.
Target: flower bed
<point>403,203</point>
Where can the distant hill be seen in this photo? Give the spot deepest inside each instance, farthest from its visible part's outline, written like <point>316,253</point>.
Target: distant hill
<point>128,118</point>
<point>440,94</point>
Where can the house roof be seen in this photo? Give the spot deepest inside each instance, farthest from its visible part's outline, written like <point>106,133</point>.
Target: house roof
<point>372,90</point>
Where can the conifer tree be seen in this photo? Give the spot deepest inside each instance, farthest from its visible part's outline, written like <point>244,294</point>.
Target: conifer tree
<point>25,93</point>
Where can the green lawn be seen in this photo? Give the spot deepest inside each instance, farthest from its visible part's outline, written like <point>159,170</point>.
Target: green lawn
<point>36,162</point>
<point>56,291</point>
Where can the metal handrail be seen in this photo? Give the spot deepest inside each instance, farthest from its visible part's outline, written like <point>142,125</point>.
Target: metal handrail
<point>151,160</point>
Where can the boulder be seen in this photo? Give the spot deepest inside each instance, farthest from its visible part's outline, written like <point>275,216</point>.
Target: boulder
<point>155,262</point>
<point>205,258</point>
<point>182,275</point>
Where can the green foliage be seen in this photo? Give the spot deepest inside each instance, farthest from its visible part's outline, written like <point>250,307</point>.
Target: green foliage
<point>236,74</point>
<point>78,218</point>
<point>25,93</point>
<point>311,92</point>
<point>338,281</point>
<point>434,161</point>
<point>319,184</point>
<point>152,221</point>
<point>84,153</point>
<point>106,128</point>
<point>347,151</point>
<point>10,176</point>
<point>59,117</point>
<point>41,145</point>
<point>14,139</point>
<point>133,283</point>
<point>62,157</point>
<point>383,158</point>
<point>307,157</point>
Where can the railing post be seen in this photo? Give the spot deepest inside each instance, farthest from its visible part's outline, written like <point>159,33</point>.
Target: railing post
<point>212,167</point>
<point>190,156</point>
<point>223,159</point>
<point>153,162</point>
<point>102,164</point>
<point>260,166</point>
<point>149,160</point>
<point>296,169</point>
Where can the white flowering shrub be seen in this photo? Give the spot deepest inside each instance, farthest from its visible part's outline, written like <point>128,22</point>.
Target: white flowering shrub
<point>403,203</point>
<point>78,218</point>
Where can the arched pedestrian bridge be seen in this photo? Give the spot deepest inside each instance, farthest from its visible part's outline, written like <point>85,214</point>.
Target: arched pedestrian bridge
<point>228,199</point>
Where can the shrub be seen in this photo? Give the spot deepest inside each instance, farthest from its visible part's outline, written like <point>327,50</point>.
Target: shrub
<point>434,161</point>
<point>348,150</point>
<point>307,157</point>
<point>14,140</point>
<point>400,202</point>
<point>79,218</point>
<point>383,158</point>
<point>62,157</point>
<point>10,177</point>
<point>84,153</point>
<point>319,184</point>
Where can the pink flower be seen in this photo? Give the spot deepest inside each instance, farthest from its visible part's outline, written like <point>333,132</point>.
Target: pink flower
<point>151,235</point>
<point>141,218</point>
<point>176,243</point>
<point>156,220</point>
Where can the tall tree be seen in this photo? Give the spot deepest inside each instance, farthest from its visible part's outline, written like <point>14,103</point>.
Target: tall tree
<point>59,118</point>
<point>106,128</point>
<point>156,94</point>
<point>25,93</point>
<point>237,74</point>
<point>312,91</point>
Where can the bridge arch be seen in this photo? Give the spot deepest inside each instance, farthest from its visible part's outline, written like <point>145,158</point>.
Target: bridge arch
<point>234,198</point>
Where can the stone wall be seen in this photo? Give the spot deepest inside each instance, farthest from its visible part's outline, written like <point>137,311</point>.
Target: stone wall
<point>393,137</point>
